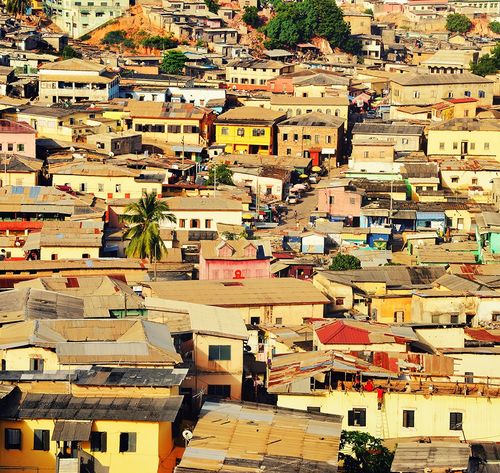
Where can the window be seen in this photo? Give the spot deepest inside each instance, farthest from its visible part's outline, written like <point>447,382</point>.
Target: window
<point>258,132</point>
<point>36,364</point>
<point>85,255</point>
<point>441,146</point>
<point>279,320</point>
<point>254,320</point>
<point>472,145</point>
<point>98,441</point>
<point>20,147</point>
<point>450,95</point>
<point>365,154</point>
<point>295,137</point>
<point>416,94</point>
<point>435,318</point>
<point>405,141</point>
<point>182,223</point>
<point>328,140</point>
<point>352,201</point>
<point>467,93</point>
<point>208,223</point>
<point>399,316</point>
<point>469,377</point>
<point>313,409</point>
<point>118,188</point>
<point>83,187</point>
<point>195,223</point>
<point>356,417</point>
<point>408,418</point>
<point>100,187</point>
<point>339,301</point>
<point>13,439</point>
<point>456,420</point>
<point>289,151</point>
<point>285,136</point>
<point>486,146</point>
<point>455,145</point>
<point>10,147</point>
<point>240,132</point>
<point>219,352</point>
<point>219,390</point>
<point>53,256</point>
<point>128,441</point>
<point>332,199</point>
<point>474,181</point>
<point>482,94</point>
<point>41,440</point>
<point>454,179</point>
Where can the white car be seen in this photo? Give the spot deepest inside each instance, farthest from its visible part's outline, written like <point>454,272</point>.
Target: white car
<point>292,199</point>
<point>314,178</point>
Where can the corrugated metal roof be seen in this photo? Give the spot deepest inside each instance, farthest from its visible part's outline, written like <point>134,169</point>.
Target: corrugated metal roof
<point>108,376</point>
<point>248,438</point>
<point>71,430</point>
<point>412,457</point>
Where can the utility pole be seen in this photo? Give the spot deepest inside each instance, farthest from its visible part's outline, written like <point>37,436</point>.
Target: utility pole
<point>390,205</point>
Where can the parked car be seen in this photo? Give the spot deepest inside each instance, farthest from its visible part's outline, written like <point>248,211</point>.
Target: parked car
<point>292,199</point>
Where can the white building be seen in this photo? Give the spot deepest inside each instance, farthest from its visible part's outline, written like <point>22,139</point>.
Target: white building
<point>80,17</point>
<point>76,80</point>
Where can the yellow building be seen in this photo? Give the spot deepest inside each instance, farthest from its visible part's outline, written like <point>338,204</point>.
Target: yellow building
<point>465,137</point>
<point>248,130</point>
<point>98,426</point>
<point>428,89</point>
<point>107,181</point>
<point>19,171</point>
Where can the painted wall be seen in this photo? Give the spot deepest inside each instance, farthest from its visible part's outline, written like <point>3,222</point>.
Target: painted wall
<point>282,314</point>
<point>226,269</point>
<point>442,338</point>
<point>18,143</point>
<point>19,179</point>
<point>432,413</point>
<point>338,202</point>
<point>480,365</point>
<point>67,252</point>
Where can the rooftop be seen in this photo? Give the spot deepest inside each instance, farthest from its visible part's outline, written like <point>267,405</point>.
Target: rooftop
<point>248,437</point>
<point>467,124</point>
<point>415,78</point>
<point>314,119</point>
<point>74,64</point>
<point>254,114</point>
<point>241,293</point>
<point>236,249</point>
<point>387,129</point>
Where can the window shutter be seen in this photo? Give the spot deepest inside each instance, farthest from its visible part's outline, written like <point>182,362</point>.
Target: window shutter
<point>37,439</point>
<point>225,352</point>
<point>123,442</point>
<point>350,418</point>
<point>104,441</point>
<point>213,352</point>
<point>362,417</point>
<point>132,441</point>
<point>45,440</point>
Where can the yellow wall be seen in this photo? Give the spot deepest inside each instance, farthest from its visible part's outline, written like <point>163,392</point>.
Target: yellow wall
<point>128,185</point>
<point>241,144</point>
<point>290,314</point>
<point>432,416</point>
<point>386,307</point>
<point>67,252</point>
<point>154,444</point>
<point>166,136</point>
<point>18,178</point>
<point>18,359</point>
<point>485,143</point>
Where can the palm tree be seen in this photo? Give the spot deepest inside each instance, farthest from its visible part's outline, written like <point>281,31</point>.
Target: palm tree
<point>143,219</point>
<point>17,7</point>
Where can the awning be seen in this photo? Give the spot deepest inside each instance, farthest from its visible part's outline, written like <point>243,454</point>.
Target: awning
<point>187,148</point>
<point>72,430</point>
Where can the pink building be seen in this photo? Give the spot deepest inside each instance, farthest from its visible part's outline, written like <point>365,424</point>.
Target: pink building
<point>340,200</point>
<point>235,259</point>
<point>17,138</point>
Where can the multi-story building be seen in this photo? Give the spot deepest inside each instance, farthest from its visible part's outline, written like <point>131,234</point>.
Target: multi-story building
<point>17,138</point>
<point>80,17</point>
<point>76,80</point>
<point>428,89</point>
<point>406,137</point>
<point>313,135</point>
<point>245,73</point>
<point>248,130</point>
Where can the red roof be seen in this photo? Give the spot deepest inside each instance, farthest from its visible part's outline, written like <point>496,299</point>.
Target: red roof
<point>463,100</point>
<point>25,225</point>
<point>482,335</point>
<point>340,333</point>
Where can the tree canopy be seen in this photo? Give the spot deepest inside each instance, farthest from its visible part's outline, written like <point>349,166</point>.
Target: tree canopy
<point>117,37</point>
<point>495,27</point>
<point>173,62</point>
<point>366,454</point>
<point>251,16</point>
<point>213,6</point>
<point>222,172</point>
<point>301,21</point>
<point>68,52</point>
<point>487,64</point>
<point>343,262</point>
<point>160,42</point>
<point>458,23</point>
<point>143,221</point>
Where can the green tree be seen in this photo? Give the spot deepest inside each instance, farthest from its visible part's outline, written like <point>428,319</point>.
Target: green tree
<point>213,6</point>
<point>367,453</point>
<point>251,17</point>
<point>160,42</point>
<point>68,52</point>
<point>495,27</point>
<point>143,221</point>
<point>368,11</point>
<point>487,64</point>
<point>17,7</point>
<point>117,37</point>
<point>222,172</point>
<point>301,21</point>
<point>458,23</point>
<point>173,62</point>
<point>343,262</point>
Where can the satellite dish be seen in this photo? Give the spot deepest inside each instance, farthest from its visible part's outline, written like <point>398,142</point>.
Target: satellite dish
<point>111,154</point>
<point>187,434</point>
